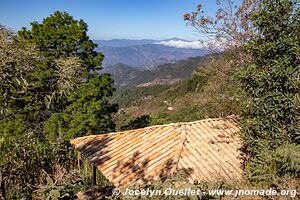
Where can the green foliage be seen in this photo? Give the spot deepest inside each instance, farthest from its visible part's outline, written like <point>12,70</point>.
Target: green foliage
<point>270,89</point>
<point>60,35</point>
<point>271,83</point>
<point>190,85</point>
<point>139,122</point>
<point>270,166</point>
<point>129,96</point>
<point>186,114</point>
<point>65,184</point>
<point>195,83</point>
<point>53,191</point>
<point>88,112</point>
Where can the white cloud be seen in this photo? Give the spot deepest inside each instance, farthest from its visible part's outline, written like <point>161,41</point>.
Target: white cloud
<point>194,44</point>
<point>182,44</point>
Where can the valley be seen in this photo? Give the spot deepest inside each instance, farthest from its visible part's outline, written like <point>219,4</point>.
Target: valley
<point>197,88</point>
<point>170,73</point>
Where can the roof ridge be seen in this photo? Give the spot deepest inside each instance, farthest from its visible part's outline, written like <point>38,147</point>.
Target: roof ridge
<point>233,117</point>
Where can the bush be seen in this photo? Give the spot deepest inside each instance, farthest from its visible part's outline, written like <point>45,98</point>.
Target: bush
<point>270,92</point>
<point>270,166</point>
<point>139,122</point>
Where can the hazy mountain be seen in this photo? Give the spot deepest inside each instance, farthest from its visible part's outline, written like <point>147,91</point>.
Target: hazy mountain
<point>124,75</point>
<point>129,42</point>
<point>164,74</point>
<point>123,42</point>
<point>147,56</point>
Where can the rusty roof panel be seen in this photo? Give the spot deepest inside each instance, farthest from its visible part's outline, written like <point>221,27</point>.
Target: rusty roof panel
<point>205,150</point>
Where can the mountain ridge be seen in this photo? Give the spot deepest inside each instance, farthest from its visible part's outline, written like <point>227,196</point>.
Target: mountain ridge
<point>132,42</point>
<point>170,73</point>
<point>147,56</point>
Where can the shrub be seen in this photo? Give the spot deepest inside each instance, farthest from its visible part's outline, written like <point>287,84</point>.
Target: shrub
<point>270,166</point>
<point>270,92</point>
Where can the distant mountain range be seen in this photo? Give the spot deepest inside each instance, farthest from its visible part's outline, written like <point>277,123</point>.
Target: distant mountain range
<point>125,75</point>
<point>145,54</point>
<point>129,42</point>
<point>123,42</point>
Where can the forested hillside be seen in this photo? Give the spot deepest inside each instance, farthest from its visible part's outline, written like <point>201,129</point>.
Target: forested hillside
<point>208,92</point>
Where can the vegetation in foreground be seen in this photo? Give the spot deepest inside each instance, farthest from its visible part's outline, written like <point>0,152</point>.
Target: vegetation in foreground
<point>49,93</point>
<point>270,88</point>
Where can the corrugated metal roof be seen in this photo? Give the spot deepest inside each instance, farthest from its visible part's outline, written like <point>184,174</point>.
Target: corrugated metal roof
<point>204,150</point>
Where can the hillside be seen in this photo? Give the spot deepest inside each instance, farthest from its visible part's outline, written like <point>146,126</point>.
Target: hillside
<point>126,76</point>
<point>207,92</point>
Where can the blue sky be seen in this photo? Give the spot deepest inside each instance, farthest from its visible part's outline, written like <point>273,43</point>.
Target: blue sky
<point>111,19</point>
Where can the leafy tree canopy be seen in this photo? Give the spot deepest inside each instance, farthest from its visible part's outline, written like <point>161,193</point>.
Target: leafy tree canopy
<point>59,35</point>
